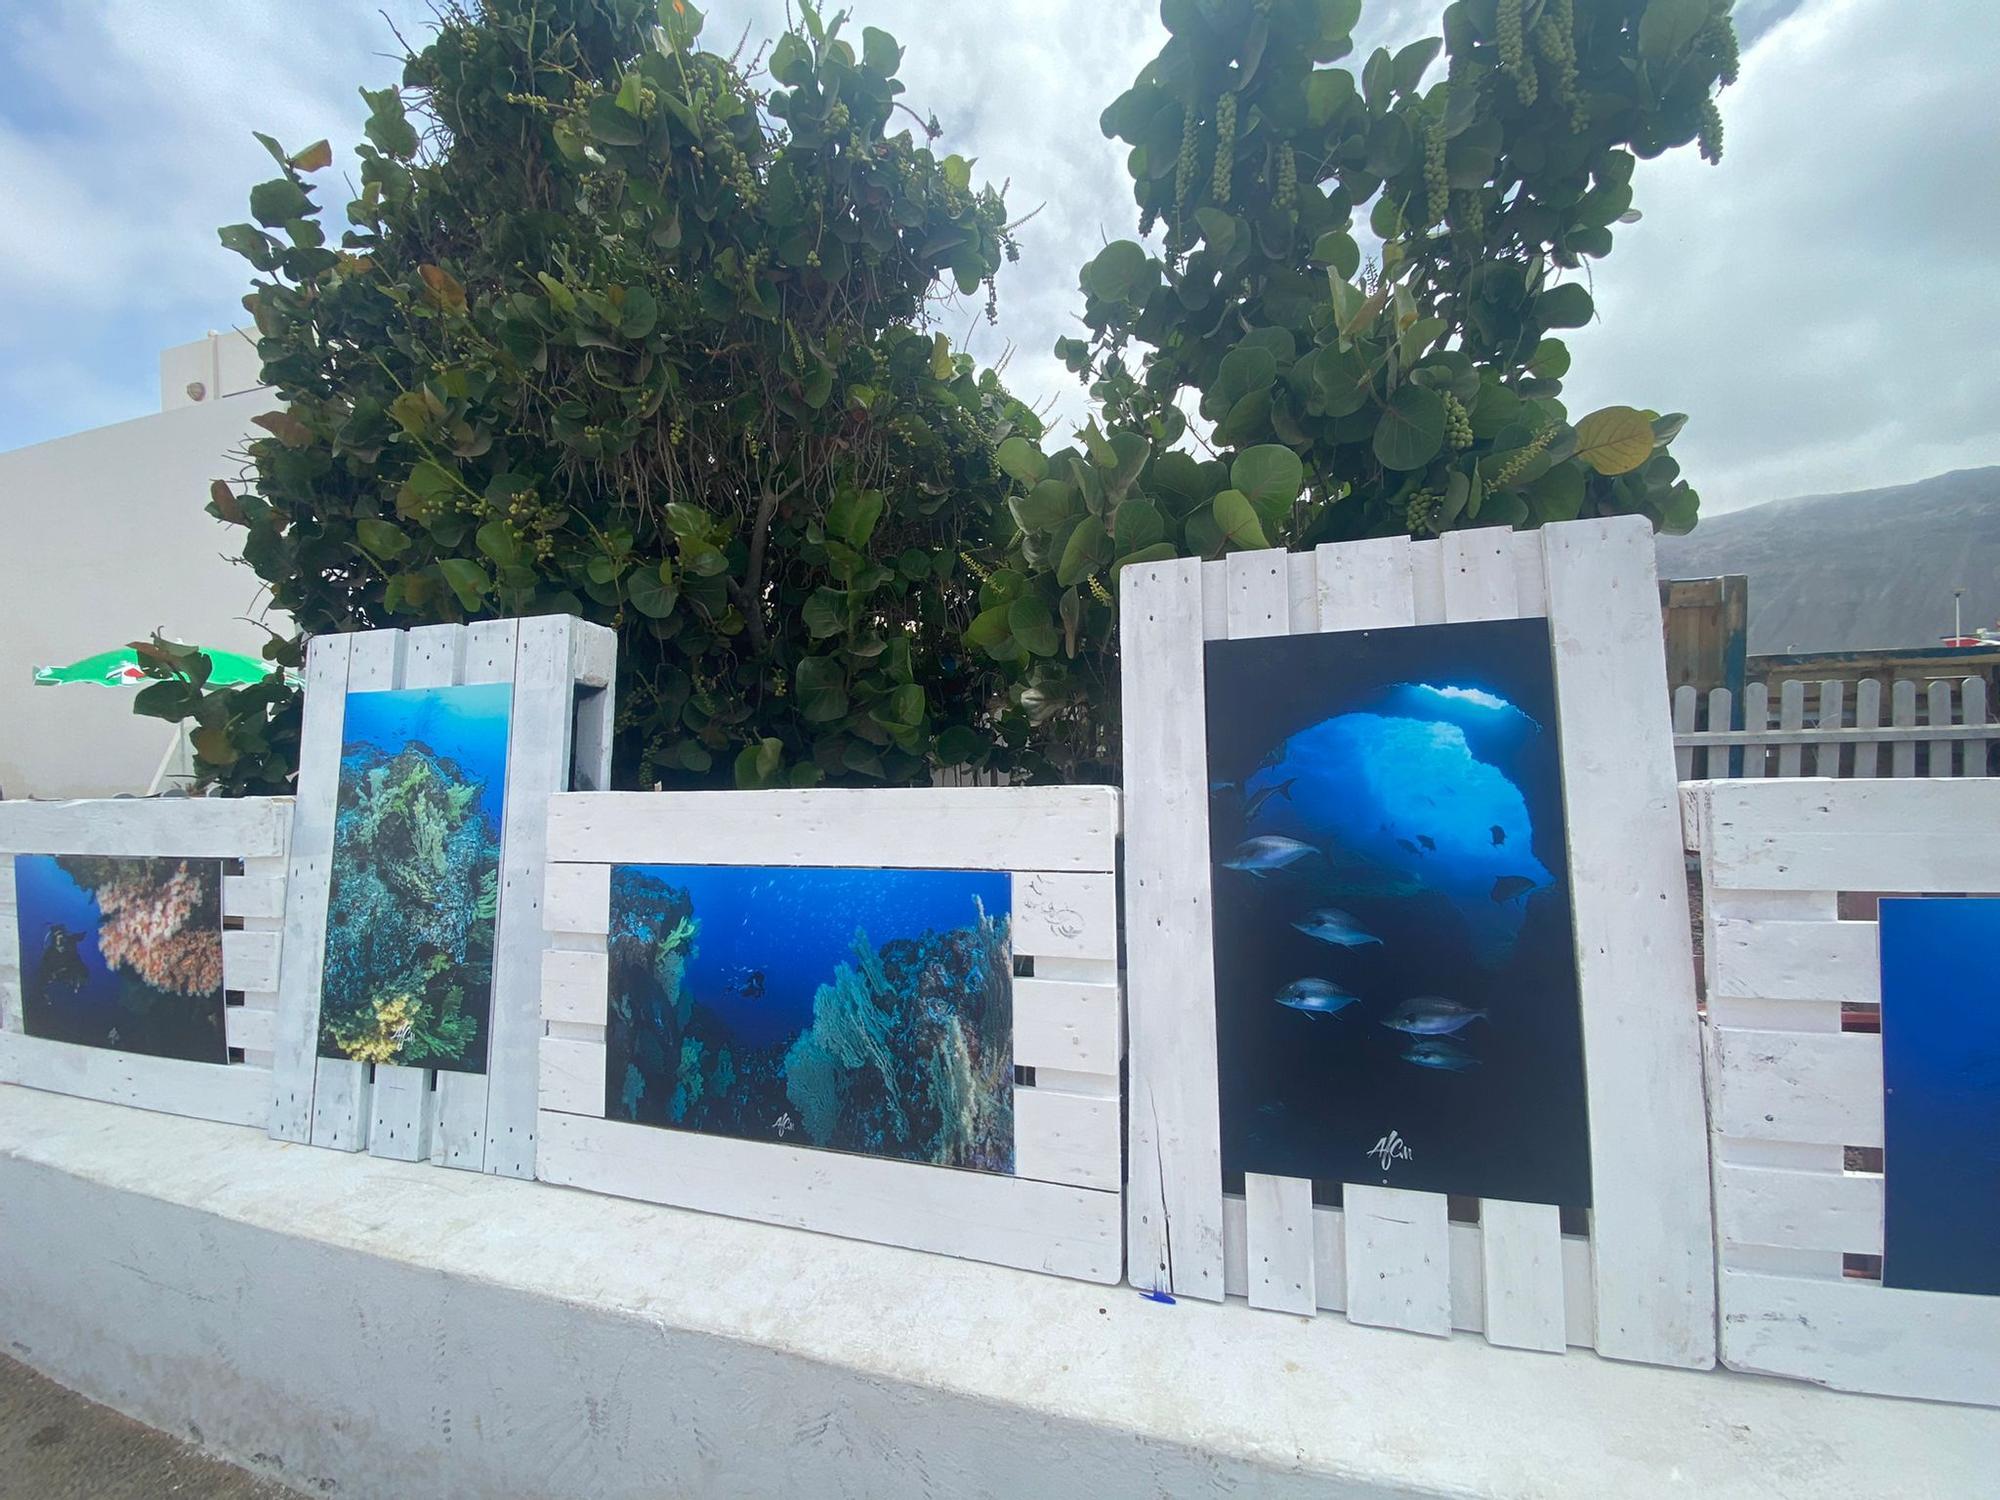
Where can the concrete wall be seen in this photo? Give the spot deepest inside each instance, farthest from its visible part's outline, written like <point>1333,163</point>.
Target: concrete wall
<point>102,540</point>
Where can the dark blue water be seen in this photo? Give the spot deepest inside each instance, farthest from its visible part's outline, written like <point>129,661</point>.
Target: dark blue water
<point>771,937</point>
<point>179,1025</point>
<point>1941,1094</point>
<point>464,724</point>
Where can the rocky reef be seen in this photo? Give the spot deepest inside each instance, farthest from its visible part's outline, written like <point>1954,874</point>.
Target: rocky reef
<point>909,1052</point>
<point>162,919</point>
<point>415,890</point>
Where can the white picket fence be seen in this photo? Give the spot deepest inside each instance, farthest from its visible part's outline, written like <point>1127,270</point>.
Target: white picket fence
<point>1834,729</point>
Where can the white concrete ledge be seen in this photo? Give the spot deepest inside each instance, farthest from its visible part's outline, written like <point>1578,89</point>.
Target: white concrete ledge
<point>370,1328</point>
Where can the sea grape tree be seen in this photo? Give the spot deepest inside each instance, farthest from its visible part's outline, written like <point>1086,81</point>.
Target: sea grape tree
<point>1347,384</point>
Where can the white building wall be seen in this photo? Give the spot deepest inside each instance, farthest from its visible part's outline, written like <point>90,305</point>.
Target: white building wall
<point>103,540</point>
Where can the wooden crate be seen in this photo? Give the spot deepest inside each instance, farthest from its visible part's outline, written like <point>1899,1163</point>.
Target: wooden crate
<point>1060,1211</point>
<point>1795,1096</point>
<point>254,831</point>
<point>1640,1285</point>
<point>561,671</point>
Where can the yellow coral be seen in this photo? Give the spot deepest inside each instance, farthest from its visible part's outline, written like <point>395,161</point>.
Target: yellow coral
<point>388,1026</point>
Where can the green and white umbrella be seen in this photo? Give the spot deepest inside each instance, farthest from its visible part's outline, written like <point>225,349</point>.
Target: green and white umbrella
<point>122,668</point>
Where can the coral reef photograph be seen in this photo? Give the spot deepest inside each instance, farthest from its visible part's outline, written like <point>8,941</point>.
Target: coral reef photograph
<point>860,1010</point>
<point>1395,978</point>
<point>416,877</point>
<point>122,953</point>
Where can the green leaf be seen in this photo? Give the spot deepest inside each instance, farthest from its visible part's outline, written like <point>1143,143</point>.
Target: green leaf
<point>1045,506</point>
<point>1615,440</point>
<point>1669,25</point>
<point>1566,306</point>
<point>1329,91</point>
<point>904,708</point>
<point>1088,549</point>
<point>1337,249</point>
<point>388,126</point>
<point>381,538</point>
<point>1550,361</point>
<point>791,60</point>
<point>467,580</point>
<point>278,201</point>
<point>1136,524</point>
<point>760,765</point>
<point>653,591</point>
<point>685,520</point>
<point>1236,518</point>
<point>611,126</point>
<point>1411,430</point>
<point>825,613</point>
<point>1030,623</point>
<point>172,701</point>
<point>1270,476</point>
<point>880,52</point>
<point>822,689</point>
<point>1122,271</point>
<point>1559,494</point>
<point>988,631</point>
<point>1022,461</point>
<point>853,514</point>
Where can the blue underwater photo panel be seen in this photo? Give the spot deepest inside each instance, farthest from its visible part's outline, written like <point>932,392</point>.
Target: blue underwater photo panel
<point>860,1010</point>
<point>415,892</point>
<point>1395,975</point>
<point>1941,1094</point>
<point>122,953</point>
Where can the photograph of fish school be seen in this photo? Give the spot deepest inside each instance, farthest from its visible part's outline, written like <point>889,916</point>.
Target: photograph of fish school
<point>868,750</point>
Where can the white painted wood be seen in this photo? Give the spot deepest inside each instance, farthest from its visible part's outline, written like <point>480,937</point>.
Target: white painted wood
<point>1838,1211</point>
<point>1790,1086</point>
<point>572,1077</point>
<point>575,988</point>
<point>1685,698</point>
<point>1815,961</point>
<point>10,950</point>
<point>1832,715</point>
<point>1062,1024</point>
<point>1521,1253</point>
<point>1739,1014</point>
<point>1070,828</point>
<point>1174,1186</point>
<point>294,1054</point>
<point>1792,719</point>
<point>1531,582</point>
<point>1427,582</point>
<point>1065,915</point>
<point>1844,835</point>
<point>1235,1247</point>
<point>250,1029</point>
<point>260,895</point>
<point>1259,594</point>
<point>1302,586</point>
<point>1398,1259</point>
<point>1067,1138</point>
<point>579,900</point>
<point>235,1095</point>
<point>250,960</point>
<point>1651,1224</point>
<point>1903,713</point>
<point>1468,1277</point>
<point>1330,1259</point>
<point>162,827</point>
<point>1721,710</point>
<point>1867,715</point>
<point>1480,579</point>
<point>1363,585</point>
<point>1940,715</point>
<point>1278,1227</point>
<point>1579,1292</point>
<point>1974,751</point>
<point>1037,1226</point>
<point>1858,1336</point>
<point>1062,1080</point>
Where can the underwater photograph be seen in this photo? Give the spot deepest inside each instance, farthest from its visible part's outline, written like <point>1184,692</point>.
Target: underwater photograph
<point>1395,976</point>
<point>122,953</point>
<point>1941,1094</point>
<point>416,877</point>
<point>860,1010</point>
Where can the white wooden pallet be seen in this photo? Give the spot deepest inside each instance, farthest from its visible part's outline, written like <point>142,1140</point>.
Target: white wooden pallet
<point>1640,1285</point>
<point>561,670</point>
<point>1789,1090</point>
<point>1061,1210</point>
<point>253,830</point>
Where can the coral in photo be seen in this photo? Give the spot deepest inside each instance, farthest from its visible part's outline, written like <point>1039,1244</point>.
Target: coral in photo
<point>162,919</point>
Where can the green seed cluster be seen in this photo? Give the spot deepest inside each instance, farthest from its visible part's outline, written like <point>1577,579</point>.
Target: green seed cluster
<point>1555,39</point>
<point>1190,161</point>
<point>1421,515</point>
<point>1718,39</point>
<point>1099,592</point>
<point>1514,59</point>
<point>1437,186</point>
<point>1149,217</point>
<point>1468,214</point>
<point>1288,178</point>
<point>1518,461</point>
<point>1457,423</point>
<point>1710,134</point>
<point>1225,148</point>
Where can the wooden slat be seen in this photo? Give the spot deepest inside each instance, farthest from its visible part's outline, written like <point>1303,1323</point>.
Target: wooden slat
<point>1651,1225</point>
<point>1066,1138</point>
<point>1062,1024</point>
<point>1784,1086</point>
<point>1974,752</point>
<point>1063,915</point>
<point>1857,836</point>
<point>402,1113</point>
<point>1792,719</point>
<point>1330,1259</point>
<point>1071,828</point>
<point>1836,1211</point>
<point>1398,1259</point>
<point>294,1051</point>
<point>261,895</point>
<point>1940,716</point>
<point>1721,711</point>
<point>1903,714</point>
<point>252,1028</point>
<point>165,827</point>
<point>1363,585</point>
<point>572,1077</point>
<point>250,960</point>
<point>575,988</point>
<point>1302,574</point>
<point>1521,1252</point>
<point>1685,698</point>
<point>204,1091</point>
<point>578,902</point>
<point>1468,1277</point>
<point>1480,580</point>
<point>1174,1190</point>
<point>1832,715</point>
<point>1066,1231</point>
<point>1278,1228</point>
<point>1259,594</point>
<point>1756,717</point>
<point>1825,961</point>
<point>1867,715</point>
<point>10,951</point>
<point>1856,1336</point>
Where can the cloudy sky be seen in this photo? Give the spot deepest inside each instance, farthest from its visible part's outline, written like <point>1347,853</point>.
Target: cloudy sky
<point>1825,304</point>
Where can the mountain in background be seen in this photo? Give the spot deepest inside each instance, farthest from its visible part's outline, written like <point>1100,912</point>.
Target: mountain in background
<point>1874,568</point>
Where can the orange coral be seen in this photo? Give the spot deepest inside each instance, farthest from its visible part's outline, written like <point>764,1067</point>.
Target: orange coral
<point>148,929</point>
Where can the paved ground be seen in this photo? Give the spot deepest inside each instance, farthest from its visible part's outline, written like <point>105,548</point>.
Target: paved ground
<point>55,1445</point>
